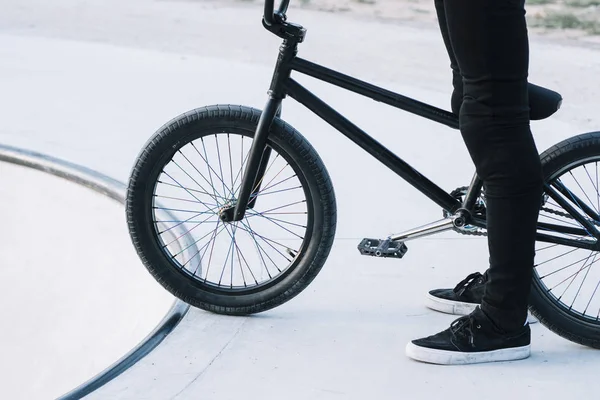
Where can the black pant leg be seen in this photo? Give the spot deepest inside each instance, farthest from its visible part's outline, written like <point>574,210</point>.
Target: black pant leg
<point>457,93</point>
<point>490,42</point>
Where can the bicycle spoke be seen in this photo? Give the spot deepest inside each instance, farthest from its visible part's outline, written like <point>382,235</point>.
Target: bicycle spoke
<point>191,194</point>
<point>576,275</point>
<point>214,237</point>
<point>547,247</point>
<point>180,199</point>
<point>261,179</point>
<point>240,258</point>
<point>220,165</point>
<point>595,186</point>
<point>211,183</point>
<point>184,221</point>
<point>283,213</point>
<point>232,254</point>
<point>582,281</point>
<point>237,250</point>
<point>287,248</point>
<point>275,184</point>
<point>239,253</point>
<point>205,247</point>
<point>247,266</point>
<point>212,248</point>
<point>180,210</point>
<point>563,268</point>
<point>556,189</point>
<point>585,194</point>
<point>279,191</point>
<point>230,162</point>
<point>570,276</point>
<point>590,301</point>
<point>282,227</point>
<point>266,254</point>
<point>210,168</point>
<point>258,250</point>
<point>276,219</point>
<point>229,251</point>
<point>214,233</point>
<point>597,191</point>
<point>267,241</point>
<point>180,222</point>
<point>184,188</point>
<point>554,258</point>
<point>191,244</point>
<point>239,174</point>
<point>195,181</point>
<point>266,172</point>
<point>186,233</point>
<point>280,207</point>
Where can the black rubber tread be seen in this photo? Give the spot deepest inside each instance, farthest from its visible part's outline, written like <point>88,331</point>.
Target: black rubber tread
<point>175,134</point>
<point>551,314</point>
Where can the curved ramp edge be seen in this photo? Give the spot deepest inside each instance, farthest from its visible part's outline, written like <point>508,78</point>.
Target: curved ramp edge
<point>115,190</point>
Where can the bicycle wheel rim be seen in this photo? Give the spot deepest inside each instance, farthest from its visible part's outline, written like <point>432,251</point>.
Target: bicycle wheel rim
<point>206,284</point>
<point>570,283</point>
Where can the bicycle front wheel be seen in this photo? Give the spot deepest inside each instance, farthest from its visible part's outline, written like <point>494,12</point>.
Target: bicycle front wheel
<point>193,168</point>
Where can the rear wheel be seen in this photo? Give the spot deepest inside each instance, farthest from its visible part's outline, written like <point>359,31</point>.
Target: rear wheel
<point>192,168</point>
<point>565,293</point>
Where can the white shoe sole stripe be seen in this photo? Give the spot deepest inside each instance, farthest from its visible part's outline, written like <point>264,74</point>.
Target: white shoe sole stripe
<point>446,357</point>
<point>458,307</point>
<point>449,306</point>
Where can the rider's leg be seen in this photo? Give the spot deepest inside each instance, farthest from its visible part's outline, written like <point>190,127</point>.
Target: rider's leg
<point>468,293</point>
<point>489,40</point>
<point>457,84</point>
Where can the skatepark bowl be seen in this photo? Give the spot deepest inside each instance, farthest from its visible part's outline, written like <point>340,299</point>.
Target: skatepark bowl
<point>74,293</point>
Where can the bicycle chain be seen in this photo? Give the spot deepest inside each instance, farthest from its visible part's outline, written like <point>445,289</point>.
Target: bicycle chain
<point>458,193</point>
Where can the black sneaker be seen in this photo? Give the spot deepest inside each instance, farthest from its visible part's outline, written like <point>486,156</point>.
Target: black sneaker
<point>461,300</point>
<point>464,298</point>
<point>469,340</point>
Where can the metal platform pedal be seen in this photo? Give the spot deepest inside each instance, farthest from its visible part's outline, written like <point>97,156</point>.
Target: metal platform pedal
<point>382,248</point>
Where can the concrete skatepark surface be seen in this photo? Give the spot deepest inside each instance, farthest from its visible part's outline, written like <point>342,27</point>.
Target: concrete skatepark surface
<point>91,82</point>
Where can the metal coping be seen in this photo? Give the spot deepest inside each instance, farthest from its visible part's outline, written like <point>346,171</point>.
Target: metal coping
<point>115,190</point>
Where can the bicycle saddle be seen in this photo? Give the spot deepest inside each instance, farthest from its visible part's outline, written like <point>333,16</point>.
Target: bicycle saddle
<point>542,102</point>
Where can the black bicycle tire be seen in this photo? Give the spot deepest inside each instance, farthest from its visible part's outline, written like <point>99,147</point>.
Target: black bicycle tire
<point>549,312</point>
<point>176,134</point>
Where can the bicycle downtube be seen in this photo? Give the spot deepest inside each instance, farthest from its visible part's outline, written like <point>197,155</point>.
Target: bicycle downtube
<point>253,165</point>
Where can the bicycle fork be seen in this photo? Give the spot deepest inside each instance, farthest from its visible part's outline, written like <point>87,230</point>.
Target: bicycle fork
<point>256,164</point>
<point>258,157</point>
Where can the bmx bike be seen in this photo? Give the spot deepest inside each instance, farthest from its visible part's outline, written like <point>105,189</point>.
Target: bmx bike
<point>254,197</point>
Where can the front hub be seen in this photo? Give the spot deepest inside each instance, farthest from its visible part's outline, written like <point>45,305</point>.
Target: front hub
<point>226,213</point>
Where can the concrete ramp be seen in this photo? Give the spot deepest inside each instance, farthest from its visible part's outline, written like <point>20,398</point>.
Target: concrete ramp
<point>74,297</point>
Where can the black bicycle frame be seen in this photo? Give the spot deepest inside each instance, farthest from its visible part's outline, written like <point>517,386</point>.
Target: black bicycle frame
<point>282,84</point>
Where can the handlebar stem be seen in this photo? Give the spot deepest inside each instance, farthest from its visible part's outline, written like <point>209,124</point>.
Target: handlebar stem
<point>271,16</point>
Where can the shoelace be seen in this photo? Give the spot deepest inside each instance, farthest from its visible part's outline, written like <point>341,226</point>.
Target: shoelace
<point>464,327</point>
<point>467,283</point>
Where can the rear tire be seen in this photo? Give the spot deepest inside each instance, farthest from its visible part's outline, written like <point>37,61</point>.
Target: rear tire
<point>555,310</point>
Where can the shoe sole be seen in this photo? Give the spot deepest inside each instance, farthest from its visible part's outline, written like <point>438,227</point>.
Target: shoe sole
<point>458,307</point>
<point>449,306</point>
<point>446,357</point>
